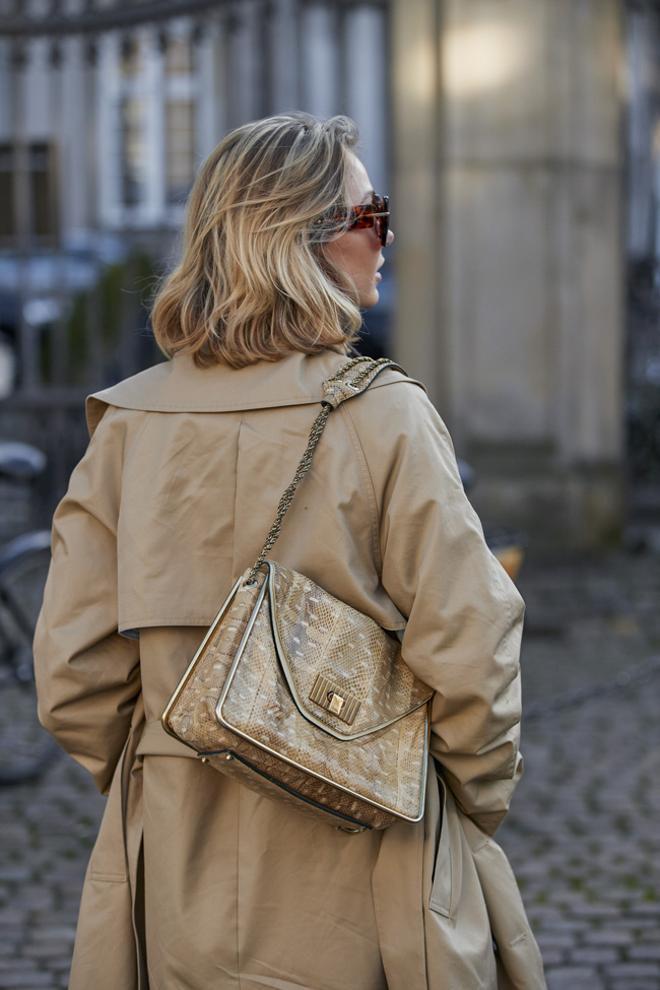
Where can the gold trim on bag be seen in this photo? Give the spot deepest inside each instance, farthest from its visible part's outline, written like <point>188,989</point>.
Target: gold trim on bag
<point>340,787</point>
<point>197,656</point>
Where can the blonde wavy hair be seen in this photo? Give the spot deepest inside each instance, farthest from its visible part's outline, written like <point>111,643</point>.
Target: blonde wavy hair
<point>254,282</point>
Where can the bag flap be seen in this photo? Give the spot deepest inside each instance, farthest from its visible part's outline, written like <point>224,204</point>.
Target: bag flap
<point>344,672</point>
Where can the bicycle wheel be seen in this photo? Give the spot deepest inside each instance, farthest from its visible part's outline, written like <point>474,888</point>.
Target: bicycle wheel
<point>26,750</point>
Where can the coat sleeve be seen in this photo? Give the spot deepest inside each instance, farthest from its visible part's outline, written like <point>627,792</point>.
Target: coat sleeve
<point>464,614</point>
<point>87,674</point>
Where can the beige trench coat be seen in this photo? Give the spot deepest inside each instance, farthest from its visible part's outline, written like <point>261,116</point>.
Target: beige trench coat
<point>194,881</point>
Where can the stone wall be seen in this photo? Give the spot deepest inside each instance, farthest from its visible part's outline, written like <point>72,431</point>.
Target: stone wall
<point>508,182</point>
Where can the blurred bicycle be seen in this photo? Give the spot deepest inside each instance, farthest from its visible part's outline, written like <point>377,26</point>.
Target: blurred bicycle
<point>26,750</point>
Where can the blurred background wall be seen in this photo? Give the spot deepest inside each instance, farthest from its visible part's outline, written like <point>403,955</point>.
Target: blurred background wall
<point>519,139</point>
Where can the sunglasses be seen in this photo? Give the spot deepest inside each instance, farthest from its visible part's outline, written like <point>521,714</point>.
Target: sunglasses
<point>375,214</point>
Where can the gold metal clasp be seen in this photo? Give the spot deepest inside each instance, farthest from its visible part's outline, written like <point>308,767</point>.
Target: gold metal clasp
<point>334,700</point>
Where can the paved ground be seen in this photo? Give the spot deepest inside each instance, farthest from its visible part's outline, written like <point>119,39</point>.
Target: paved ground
<point>583,834</point>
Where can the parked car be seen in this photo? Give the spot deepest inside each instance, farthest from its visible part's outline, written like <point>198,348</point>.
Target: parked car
<point>39,290</point>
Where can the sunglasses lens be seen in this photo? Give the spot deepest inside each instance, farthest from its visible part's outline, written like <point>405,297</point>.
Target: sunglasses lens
<point>383,223</point>
<point>376,215</point>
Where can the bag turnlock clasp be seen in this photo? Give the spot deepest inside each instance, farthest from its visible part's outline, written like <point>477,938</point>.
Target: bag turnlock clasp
<point>333,699</point>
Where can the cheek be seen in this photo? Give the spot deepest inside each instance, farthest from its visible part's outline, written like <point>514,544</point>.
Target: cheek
<point>355,253</point>
<point>369,262</point>
<point>363,255</point>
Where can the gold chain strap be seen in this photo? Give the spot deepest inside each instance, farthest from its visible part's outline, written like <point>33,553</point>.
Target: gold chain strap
<point>357,384</point>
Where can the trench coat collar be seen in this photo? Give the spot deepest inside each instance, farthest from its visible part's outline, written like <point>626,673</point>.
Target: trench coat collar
<point>178,385</point>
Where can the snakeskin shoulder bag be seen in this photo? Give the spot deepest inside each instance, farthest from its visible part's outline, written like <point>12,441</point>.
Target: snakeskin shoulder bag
<point>300,696</point>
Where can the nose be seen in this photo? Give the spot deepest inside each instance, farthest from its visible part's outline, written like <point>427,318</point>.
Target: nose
<point>390,238</point>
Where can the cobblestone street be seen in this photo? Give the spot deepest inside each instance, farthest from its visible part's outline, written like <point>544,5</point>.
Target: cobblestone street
<point>583,834</point>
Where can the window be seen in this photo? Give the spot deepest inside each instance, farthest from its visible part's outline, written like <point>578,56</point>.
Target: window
<point>154,107</point>
<point>40,212</point>
<point>42,193</point>
<point>7,216</point>
<point>180,127</point>
<point>132,126</point>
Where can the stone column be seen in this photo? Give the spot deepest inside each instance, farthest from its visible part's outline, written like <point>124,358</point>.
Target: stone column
<point>508,156</point>
<point>154,206</point>
<point>285,44</point>
<point>107,132</point>
<point>207,133</point>
<point>320,59</point>
<point>242,52</point>
<point>415,188</point>
<point>365,85</point>
<point>69,128</point>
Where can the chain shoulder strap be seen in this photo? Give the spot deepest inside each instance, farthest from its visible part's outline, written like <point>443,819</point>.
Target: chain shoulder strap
<point>341,386</point>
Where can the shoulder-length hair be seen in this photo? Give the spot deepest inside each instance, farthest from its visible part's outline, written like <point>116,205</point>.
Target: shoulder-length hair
<point>254,282</point>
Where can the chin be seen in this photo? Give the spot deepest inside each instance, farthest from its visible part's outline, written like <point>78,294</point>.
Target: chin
<point>369,298</point>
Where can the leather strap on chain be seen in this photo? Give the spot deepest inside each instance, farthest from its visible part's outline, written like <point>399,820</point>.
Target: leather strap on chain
<point>336,390</point>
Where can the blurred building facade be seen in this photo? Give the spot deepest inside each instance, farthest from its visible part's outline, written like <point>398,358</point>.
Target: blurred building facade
<point>117,113</point>
<point>520,141</point>
<point>106,111</point>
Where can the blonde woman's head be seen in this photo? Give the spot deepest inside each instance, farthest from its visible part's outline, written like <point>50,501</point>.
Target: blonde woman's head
<point>263,270</point>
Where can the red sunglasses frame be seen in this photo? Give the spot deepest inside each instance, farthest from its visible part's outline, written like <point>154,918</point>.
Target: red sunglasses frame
<point>375,214</point>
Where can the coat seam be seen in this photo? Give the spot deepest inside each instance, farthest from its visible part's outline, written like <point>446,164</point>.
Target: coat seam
<point>107,877</point>
<point>237,920</point>
<point>372,496</point>
<point>126,625</point>
<point>126,460</point>
<point>128,457</point>
<point>204,619</point>
<point>234,564</point>
<point>112,525</point>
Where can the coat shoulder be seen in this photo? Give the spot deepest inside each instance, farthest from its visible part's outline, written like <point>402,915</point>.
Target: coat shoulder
<point>407,394</point>
<point>128,393</point>
<point>398,413</point>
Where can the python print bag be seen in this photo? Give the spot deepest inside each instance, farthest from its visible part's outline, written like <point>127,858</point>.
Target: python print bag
<point>300,696</point>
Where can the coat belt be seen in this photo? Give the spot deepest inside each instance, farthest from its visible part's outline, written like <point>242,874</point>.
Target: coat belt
<point>156,742</point>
